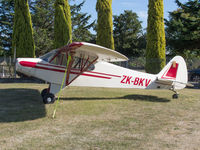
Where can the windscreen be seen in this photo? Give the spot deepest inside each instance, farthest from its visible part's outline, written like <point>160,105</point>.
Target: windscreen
<point>48,56</point>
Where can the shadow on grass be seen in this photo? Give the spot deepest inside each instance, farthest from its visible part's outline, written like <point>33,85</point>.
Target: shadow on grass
<point>20,105</point>
<point>135,97</point>
<point>149,98</point>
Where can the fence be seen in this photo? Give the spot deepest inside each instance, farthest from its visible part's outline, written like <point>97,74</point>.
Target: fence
<point>7,67</point>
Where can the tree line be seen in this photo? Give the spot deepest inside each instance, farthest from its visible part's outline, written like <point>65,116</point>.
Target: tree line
<point>125,33</point>
<point>42,13</point>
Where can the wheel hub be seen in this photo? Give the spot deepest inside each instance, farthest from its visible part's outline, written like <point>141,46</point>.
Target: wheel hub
<point>48,99</point>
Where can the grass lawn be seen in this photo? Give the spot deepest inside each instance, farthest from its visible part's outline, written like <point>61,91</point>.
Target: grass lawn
<point>99,118</point>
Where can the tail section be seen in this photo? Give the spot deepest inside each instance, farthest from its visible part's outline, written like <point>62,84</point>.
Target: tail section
<point>175,72</point>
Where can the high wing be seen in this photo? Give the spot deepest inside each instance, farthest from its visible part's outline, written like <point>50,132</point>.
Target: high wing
<point>95,51</point>
<point>83,57</point>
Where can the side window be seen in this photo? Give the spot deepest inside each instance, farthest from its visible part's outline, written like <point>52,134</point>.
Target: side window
<point>81,63</point>
<point>77,63</point>
<point>56,60</point>
<point>47,57</point>
<point>64,60</point>
<point>91,67</point>
<point>60,59</point>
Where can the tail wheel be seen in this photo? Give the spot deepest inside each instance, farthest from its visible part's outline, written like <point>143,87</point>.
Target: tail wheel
<point>49,98</point>
<point>175,96</point>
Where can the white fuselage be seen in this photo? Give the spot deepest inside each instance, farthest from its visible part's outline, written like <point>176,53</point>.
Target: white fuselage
<point>104,74</point>
<point>86,64</point>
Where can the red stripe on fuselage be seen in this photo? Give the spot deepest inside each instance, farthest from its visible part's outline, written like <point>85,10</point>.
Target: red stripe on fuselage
<point>50,69</point>
<point>51,65</point>
<point>90,75</point>
<point>79,70</point>
<point>33,65</point>
<point>105,74</point>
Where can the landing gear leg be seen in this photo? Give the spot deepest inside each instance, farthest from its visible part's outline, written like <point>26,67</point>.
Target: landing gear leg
<point>175,96</point>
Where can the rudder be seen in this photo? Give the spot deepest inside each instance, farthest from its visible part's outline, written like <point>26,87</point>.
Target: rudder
<point>176,71</point>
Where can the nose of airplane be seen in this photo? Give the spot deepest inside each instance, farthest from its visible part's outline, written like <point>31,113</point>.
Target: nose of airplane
<point>25,66</point>
<point>26,62</point>
<point>17,64</point>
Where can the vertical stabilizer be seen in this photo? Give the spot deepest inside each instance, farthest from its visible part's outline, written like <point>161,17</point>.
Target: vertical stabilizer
<point>176,72</point>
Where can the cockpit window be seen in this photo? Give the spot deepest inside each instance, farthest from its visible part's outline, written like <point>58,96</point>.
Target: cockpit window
<point>47,57</point>
<point>78,62</point>
<point>56,60</point>
<point>59,59</point>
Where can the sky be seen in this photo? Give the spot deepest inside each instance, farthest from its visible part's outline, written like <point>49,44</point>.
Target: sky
<point>138,6</point>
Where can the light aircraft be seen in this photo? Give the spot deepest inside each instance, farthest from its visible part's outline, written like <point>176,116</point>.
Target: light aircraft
<point>89,65</point>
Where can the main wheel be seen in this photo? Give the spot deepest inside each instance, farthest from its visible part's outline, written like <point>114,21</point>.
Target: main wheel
<point>44,92</point>
<point>49,98</point>
<point>175,96</point>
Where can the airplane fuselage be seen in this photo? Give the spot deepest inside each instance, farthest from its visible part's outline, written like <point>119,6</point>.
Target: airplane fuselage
<point>104,74</point>
<point>86,64</point>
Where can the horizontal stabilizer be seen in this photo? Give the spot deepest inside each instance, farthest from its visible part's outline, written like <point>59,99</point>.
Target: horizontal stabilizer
<point>164,82</point>
<point>189,85</point>
<point>170,82</point>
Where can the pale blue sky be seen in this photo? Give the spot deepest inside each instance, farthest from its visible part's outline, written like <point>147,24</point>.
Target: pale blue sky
<point>138,6</point>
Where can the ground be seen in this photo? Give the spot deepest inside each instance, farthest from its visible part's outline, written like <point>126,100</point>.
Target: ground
<point>99,118</point>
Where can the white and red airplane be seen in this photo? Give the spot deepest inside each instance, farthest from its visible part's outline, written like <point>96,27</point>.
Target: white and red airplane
<point>88,65</point>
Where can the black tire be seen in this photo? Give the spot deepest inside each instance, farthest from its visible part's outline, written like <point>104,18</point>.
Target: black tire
<point>175,96</point>
<point>48,98</point>
<point>44,92</point>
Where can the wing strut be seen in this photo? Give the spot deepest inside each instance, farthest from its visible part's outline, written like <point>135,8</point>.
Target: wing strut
<point>68,78</point>
<point>81,70</point>
<point>66,74</point>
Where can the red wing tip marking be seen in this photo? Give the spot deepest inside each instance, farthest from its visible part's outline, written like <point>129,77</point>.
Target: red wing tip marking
<point>75,44</point>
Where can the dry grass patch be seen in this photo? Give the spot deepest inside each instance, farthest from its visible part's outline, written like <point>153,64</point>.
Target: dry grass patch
<point>98,118</point>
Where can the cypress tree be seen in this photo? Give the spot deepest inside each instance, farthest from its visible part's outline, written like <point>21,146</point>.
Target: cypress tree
<point>22,30</point>
<point>62,23</point>
<point>155,50</point>
<point>105,24</point>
